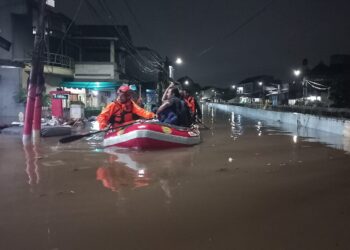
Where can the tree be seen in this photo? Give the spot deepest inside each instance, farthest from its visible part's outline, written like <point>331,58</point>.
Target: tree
<point>339,94</point>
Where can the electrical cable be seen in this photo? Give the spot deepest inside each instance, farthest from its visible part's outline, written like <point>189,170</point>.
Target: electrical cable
<point>239,27</point>
<point>125,40</point>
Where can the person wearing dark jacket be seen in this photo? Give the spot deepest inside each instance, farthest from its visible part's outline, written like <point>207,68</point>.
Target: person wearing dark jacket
<point>173,109</point>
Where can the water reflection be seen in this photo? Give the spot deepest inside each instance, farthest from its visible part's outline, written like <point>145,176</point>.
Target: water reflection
<point>297,133</point>
<point>32,156</point>
<point>259,128</point>
<point>272,127</point>
<point>121,171</point>
<point>295,138</point>
<point>312,135</point>
<point>236,126</point>
<point>127,169</point>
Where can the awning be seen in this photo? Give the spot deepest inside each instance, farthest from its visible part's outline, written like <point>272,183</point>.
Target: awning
<point>92,85</point>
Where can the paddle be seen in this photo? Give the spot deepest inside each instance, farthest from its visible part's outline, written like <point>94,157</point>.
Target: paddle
<point>77,137</point>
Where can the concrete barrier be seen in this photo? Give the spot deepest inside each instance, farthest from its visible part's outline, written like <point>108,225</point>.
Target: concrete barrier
<point>297,120</point>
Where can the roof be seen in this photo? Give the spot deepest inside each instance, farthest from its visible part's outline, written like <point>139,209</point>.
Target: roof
<point>101,31</point>
<point>264,78</point>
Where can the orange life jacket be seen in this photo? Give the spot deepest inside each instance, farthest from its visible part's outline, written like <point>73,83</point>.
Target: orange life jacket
<point>123,113</point>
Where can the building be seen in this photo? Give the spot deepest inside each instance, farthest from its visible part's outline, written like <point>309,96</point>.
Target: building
<point>88,60</point>
<point>326,84</point>
<point>256,89</point>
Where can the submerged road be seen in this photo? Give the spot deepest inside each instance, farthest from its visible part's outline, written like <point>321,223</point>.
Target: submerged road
<point>246,186</point>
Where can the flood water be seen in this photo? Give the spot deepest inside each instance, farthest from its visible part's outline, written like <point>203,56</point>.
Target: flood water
<point>248,185</point>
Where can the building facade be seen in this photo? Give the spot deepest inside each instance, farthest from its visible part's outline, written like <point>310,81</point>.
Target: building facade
<point>88,61</point>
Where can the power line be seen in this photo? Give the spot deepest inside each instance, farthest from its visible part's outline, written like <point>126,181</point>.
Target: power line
<point>145,65</point>
<point>246,22</point>
<point>71,23</point>
<point>133,15</point>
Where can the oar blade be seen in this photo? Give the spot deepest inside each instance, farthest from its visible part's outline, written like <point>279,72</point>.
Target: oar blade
<point>71,138</point>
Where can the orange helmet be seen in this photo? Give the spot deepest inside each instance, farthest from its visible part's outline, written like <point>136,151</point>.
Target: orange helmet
<point>124,89</point>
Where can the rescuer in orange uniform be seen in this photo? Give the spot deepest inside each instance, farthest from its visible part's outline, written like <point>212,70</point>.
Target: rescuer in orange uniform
<point>122,110</point>
<point>192,104</point>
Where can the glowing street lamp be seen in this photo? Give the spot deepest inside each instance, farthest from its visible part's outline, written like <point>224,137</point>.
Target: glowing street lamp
<point>233,86</point>
<point>187,82</point>
<point>178,61</point>
<point>260,83</point>
<point>297,72</point>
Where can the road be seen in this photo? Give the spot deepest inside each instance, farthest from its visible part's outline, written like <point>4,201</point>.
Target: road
<point>246,186</point>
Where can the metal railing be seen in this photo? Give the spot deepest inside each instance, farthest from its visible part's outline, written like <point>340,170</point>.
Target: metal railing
<point>58,60</point>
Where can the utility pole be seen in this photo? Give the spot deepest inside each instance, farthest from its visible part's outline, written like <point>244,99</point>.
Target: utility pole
<point>36,81</point>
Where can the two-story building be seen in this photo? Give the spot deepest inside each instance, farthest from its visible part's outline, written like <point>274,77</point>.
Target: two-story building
<point>256,89</point>
<point>86,60</point>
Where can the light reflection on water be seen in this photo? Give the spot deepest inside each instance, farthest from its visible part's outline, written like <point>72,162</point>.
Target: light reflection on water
<point>236,127</point>
<point>275,128</point>
<point>124,168</point>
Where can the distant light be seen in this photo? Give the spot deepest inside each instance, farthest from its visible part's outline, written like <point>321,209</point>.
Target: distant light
<point>233,86</point>
<point>51,3</point>
<point>212,90</point>
<point>297,72</point>
<point>314,98</point>
<point>97,84</point>
<point>187,82</point>
<point>178,61</point>
<point>260,83</point>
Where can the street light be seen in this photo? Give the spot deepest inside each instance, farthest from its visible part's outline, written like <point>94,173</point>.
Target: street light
<point>260,83</point>
<point>233,86</point>
<point>187,82</point>
<point>178,61</point>
<point>297,72</point>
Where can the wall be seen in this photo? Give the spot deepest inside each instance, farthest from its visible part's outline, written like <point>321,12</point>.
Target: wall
<point>6,25</point>
<point>23,38</point>
<point>296,120</point>
<point>94,70</point>
<point>10,83</point>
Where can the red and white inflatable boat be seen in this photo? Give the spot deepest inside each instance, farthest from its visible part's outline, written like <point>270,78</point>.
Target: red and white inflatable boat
<point>151,135</point>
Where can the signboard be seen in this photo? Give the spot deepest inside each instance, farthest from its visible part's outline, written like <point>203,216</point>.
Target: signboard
<point>50,3</point>
<point>60,96</point>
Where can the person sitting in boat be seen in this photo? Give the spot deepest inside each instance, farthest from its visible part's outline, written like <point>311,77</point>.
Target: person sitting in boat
<point>173,110</point>
<point>122,110</point>
<point>196,113</point>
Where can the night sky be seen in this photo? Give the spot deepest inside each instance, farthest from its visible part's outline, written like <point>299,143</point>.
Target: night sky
<point>271,40</point>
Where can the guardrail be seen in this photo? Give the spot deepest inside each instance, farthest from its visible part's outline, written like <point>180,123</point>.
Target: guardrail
<point>58,60</point>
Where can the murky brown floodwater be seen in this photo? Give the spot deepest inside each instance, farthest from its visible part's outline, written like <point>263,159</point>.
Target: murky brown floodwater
<point>246,186</point>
